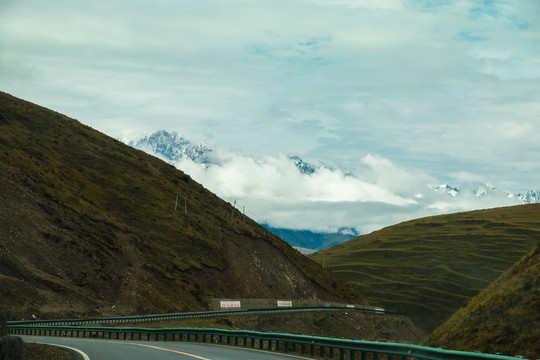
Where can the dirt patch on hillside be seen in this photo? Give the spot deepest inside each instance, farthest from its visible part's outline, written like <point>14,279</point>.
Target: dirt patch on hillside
<point>259,275</point>
<point>50,265</point>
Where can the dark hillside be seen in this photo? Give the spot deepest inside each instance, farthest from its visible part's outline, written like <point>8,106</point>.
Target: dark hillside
<point>505,317</point>
<point>88,225</point>
<point>429,267</point>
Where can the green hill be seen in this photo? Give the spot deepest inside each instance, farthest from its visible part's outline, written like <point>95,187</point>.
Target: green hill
<point>505,317</point>
<point>429,267</point>
<point>88,226</point>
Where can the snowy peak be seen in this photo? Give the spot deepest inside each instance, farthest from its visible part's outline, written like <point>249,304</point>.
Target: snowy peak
<point>483,190</point>
<point>530,197</point>
<point>304,167</point>
<point>445,188</point>
<point>173,146</point>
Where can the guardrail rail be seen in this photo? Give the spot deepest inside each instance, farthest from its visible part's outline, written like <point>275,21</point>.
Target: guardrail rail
<point>312,346</point>
<point>190,315</point>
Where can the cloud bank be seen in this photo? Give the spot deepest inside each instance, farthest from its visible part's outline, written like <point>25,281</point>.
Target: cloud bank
<point>372,193</point>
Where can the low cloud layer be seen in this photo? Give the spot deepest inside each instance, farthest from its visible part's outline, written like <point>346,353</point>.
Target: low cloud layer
<point>368,195</point>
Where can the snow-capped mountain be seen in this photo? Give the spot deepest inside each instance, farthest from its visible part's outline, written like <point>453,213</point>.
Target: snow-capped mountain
<point>483,190</point>
<point>172,146</point>
<point>530,197</point>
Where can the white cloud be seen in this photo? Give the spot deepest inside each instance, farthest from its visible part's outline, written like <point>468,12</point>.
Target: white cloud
<point>375,193</point>
<point>467,177</point>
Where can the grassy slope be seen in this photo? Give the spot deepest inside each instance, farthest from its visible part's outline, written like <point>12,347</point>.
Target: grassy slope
<point>429,267</point>
<point>113,189</point>
<point>505,317</point>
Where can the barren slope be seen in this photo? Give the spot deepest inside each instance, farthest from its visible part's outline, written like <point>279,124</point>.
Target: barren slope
<point>87,225</point>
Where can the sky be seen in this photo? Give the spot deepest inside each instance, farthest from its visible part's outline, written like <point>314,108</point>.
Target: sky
<point>403,94</point>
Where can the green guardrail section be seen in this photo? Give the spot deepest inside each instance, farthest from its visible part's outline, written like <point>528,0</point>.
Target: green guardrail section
<point>143,318</point>
<point>312,346</point>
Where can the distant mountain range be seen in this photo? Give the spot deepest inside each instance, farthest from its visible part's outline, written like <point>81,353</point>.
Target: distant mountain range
<point>481,190</point>
<point>174,147</point>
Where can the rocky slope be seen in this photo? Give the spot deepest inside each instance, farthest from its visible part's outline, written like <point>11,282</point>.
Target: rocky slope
<point>90,225</point>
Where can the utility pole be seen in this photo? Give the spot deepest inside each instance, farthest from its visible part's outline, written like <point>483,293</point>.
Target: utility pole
<point>232,213</point>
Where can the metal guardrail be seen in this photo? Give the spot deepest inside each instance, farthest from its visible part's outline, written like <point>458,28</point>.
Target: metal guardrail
<point>190,315</point>
<point>313,346</point>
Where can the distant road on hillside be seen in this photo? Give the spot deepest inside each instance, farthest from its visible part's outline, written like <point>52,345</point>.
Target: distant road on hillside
<point>99,349</point>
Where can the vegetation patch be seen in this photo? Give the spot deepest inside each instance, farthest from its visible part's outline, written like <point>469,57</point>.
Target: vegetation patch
<point>430,267</point>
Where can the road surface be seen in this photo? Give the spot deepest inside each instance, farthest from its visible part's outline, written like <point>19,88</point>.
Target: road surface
<point>100,349</point>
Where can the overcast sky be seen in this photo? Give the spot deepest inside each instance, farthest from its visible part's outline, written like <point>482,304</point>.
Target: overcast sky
<point>413,91</point>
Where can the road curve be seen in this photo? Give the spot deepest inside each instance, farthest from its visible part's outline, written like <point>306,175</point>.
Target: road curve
<point>99,349</point>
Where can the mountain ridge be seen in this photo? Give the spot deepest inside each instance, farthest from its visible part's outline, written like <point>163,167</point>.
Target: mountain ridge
<point>90,228</point>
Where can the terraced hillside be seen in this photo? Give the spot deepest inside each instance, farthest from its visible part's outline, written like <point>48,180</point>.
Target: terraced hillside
<point>88,226</point>
<point>429,267</point>
<point>505,317</point>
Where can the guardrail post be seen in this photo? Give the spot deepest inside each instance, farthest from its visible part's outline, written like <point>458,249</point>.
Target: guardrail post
<point>331,352</point>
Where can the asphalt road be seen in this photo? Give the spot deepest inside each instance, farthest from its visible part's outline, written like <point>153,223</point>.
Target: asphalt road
<point>98,349</point>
